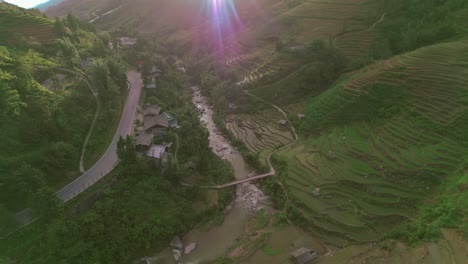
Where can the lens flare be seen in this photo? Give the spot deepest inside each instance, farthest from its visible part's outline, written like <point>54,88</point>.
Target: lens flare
<point>223,21</point>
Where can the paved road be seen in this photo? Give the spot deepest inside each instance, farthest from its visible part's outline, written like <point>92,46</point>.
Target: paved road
<point>109,160</point>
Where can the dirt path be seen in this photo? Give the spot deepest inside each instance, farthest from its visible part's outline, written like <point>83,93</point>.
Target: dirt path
<point>378,22</point>
<point>93,124</point>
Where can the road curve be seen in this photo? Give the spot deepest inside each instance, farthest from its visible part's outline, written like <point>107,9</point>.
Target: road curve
<point>109,160</point>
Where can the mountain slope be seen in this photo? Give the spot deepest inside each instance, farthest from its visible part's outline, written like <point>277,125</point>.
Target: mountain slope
<point>17,25</point>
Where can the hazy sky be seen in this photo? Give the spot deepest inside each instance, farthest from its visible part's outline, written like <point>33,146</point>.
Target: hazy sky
<point>26,3</point>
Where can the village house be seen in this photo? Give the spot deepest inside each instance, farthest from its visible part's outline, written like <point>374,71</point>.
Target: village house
<point>171,120</point>
<point>301,116</point>
<point>282,122</point>
<point>54,82</point>
<point>144,142</point>
<point>158,154</point>
<point>126,41</point>
<point>155,72</point>
<point>152,110</point>
<point>303,255</point>
<point>156,124</point>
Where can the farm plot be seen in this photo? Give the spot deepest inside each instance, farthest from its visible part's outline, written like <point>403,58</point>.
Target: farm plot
<point>312,20</point>
<point>435,78</point>
<point>13,26</point>
<point>354,44</point>
<point>260,131</point>
<point>369,177</point>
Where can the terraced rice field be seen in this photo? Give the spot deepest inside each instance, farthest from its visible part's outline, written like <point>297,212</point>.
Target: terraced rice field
<point>353,183</point>
<point>365,176</point>
<point>13,27</point>
<point>354,44</point>
<point>341,21</point>
<point>436,78</point>
<point>259,132</point>
<point>450,249</point>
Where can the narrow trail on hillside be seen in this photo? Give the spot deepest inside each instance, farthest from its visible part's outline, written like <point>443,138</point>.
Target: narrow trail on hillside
<point>96,115</point>
<point>296,137</point>
<point>378,22</point>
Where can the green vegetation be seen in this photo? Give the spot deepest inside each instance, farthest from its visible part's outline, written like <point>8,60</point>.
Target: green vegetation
<point>135,211</point>
<point>379,137</point>
<point>322,62</point>
<point>411,25</point>
<point>43,135</point>
<point>272,252</point>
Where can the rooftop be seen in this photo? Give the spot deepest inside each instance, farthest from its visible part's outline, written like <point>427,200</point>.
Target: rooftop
<point>156,151</point>
<point>49,83</point>
<point>303,255</point>
<point>126,41</point>
<point>145,140</point>
<point>156,121</point>
<point>152,110</point>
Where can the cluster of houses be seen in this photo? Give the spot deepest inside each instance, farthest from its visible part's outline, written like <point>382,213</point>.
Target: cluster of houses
<point>153,125</point>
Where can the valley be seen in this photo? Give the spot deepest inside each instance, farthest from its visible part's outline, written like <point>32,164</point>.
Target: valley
<point>345,121</point>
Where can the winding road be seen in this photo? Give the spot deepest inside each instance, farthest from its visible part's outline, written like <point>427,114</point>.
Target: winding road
<point>109,160</point>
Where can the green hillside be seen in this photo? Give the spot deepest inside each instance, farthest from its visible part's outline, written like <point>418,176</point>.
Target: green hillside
<point>42,91</point>
<point>18,25</point>
<point>383,148</point>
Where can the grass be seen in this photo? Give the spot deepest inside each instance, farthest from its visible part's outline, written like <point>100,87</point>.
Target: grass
<point>272,252</point>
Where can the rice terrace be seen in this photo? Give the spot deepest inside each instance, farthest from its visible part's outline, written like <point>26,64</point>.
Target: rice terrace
<point>234,131</point>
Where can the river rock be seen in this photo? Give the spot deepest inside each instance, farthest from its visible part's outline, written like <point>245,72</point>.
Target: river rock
<point>266,200</point>
<point>177,254</point>
<point>248,195</point>
<point>191,247</point>
<point>176,242</point>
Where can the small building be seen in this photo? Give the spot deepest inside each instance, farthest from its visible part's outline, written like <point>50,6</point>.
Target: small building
<point>283,122</point>
<point>156,72</point>
<point>151,85</point>
<point>303,255</point>
<point>144,142</point>
<point>170,119</point>
<point>126,41</point>
<point>301,116</point>
<point>54,81</point>
<point>152,110</point>
<point>156,152</point>
<point>156,125</point>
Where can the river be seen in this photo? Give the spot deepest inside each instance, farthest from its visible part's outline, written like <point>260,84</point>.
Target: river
<point>215,242</point>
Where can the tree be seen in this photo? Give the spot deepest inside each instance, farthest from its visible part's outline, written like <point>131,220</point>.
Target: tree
<point>126,150</point>
<point>7,220</point>
<point>45,203</point>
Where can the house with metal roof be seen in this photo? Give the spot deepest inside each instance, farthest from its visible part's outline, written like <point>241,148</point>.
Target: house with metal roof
<point>303,255</point>
<point>171,120</point>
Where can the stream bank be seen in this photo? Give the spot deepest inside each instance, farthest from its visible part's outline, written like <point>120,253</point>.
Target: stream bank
<point>213,243</point>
